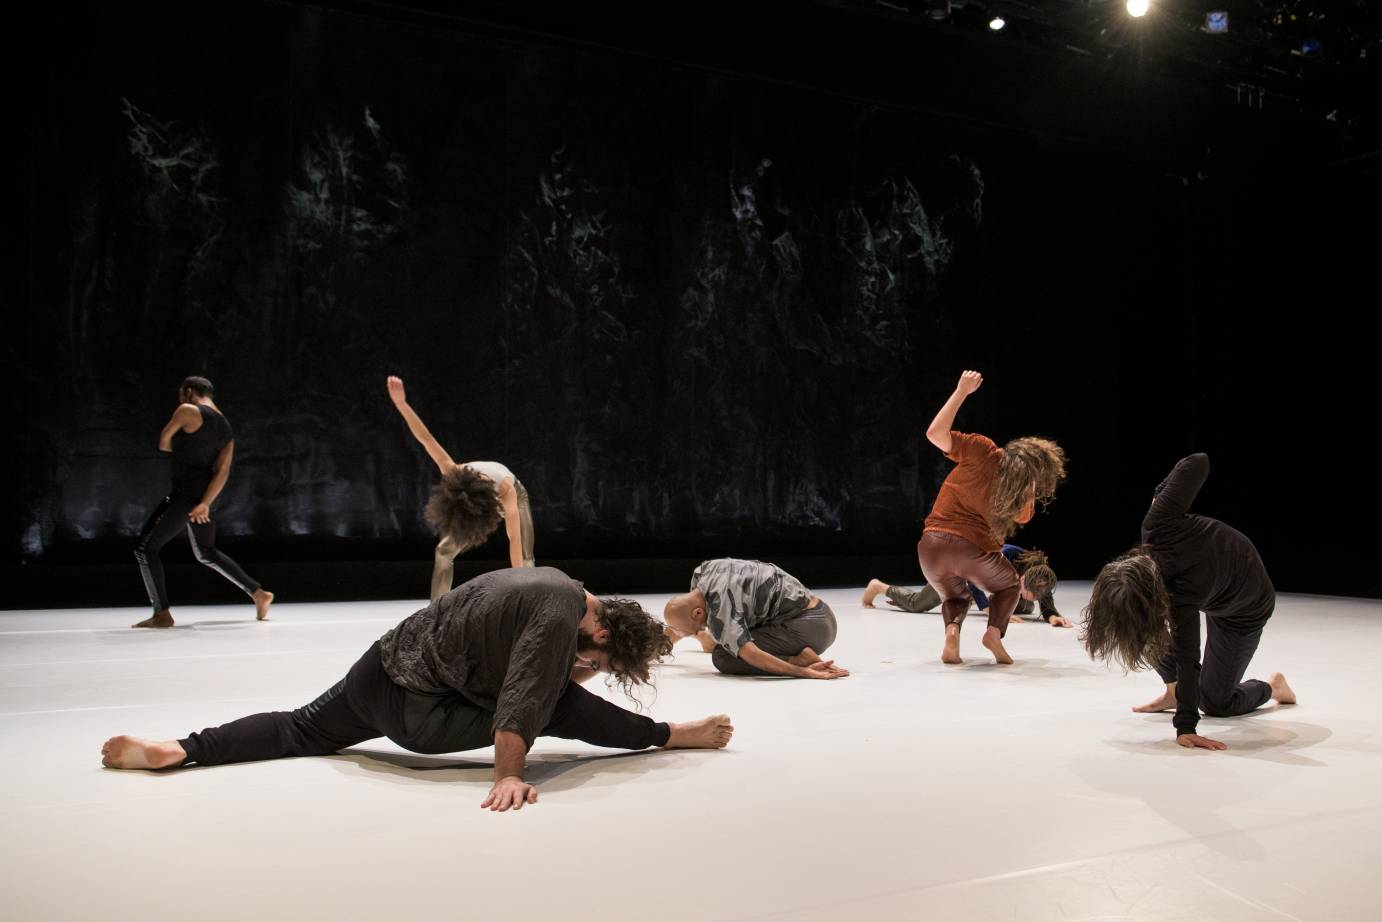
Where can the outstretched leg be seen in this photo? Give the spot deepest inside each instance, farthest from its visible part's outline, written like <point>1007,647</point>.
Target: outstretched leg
<point>914,600</point>
<point>582,715</point>
<point>328,724</point>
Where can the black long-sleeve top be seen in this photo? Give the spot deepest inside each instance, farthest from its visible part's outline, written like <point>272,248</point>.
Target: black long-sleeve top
<point>505,640</point>
<point>1207,566</point>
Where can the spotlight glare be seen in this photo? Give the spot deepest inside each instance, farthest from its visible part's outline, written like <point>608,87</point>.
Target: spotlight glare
<point>1138,8</point>
<point>997,23</point>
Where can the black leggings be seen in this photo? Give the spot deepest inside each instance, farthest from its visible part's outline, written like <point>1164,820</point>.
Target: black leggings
<point>167,521</point>
<point>367,704</point>
<point>1227,653</point>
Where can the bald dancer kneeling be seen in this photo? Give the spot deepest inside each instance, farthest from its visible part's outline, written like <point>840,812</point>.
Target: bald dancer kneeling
<point>756,620</point>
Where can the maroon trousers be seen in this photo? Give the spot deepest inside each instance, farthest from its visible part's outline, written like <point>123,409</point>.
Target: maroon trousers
<point>949,562</point>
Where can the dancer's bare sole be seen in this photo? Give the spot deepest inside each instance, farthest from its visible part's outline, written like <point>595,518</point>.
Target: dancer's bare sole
<point>1167,702</point>
<point>262,600</point>
<point>875,588</point>
<point>1281,692</point>
<point>707,733</point>
<point>993,641</point>
<point>950,654</point>
<point>158,619</point>
<point>131,752</point>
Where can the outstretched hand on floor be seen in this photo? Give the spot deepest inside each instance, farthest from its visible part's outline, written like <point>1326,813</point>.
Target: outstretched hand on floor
<point>510,792</point>
<point>1191,741</point>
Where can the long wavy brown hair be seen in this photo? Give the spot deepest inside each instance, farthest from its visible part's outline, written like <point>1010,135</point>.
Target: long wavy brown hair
<point>1037,576</point>
<point>464,507</point>
<point>1128,619</point>
<point>637,640</point>
<point>1028,472</point>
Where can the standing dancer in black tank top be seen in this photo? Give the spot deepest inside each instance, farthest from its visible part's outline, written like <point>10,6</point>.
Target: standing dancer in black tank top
<point>202,443</point>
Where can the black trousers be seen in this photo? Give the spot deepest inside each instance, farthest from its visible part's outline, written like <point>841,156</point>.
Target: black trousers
<point>367,704</point>
<point>1227,653</point>
<point>166,523</point>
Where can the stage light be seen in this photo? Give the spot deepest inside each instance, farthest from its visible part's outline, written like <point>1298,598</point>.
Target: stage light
<point>1216,22</point>
<point>939,10</point>
<point>997,23</point>
<point>1138,8</point>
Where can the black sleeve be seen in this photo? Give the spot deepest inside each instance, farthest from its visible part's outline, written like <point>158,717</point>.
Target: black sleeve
<point>1178,491</point>
<point>1048,607</point>
<point>538,672</point>
<point>1185,647</point>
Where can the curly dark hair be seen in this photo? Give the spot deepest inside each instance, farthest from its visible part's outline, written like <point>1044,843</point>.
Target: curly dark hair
<point>1029,471</point>
<point>1037,576</point>
<point>637,640</point>
<point>464,507</point>
<point>1128,619</point>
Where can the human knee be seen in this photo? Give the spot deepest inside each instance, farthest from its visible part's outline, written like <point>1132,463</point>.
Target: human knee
<point>1216,704</point>
<point>447,549</point>
<point>725,662</point>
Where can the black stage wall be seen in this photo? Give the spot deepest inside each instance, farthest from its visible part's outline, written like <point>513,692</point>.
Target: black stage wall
<point>701,287</point>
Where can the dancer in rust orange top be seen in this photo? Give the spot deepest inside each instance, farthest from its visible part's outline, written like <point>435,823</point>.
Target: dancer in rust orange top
<point>985,498</point>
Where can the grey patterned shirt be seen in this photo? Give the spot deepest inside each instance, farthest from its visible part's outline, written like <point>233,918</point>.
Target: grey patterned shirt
<point>505,640</point>
<point>741,595</point>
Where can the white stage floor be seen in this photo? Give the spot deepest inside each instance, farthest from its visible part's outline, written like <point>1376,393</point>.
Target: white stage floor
<point>910,790</point>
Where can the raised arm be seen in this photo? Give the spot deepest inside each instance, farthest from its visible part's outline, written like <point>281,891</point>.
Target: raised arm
<point>938,433</point>
<point>201,513</point>
<point>416,426</point>
<point>1178,491</point>
<point>182,417</point>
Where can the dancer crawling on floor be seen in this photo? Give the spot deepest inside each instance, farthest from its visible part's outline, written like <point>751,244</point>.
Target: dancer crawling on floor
<point>1036,582</point>
<point>1145,609</point>
<point>985,498</point>
<point>468,504</point>
<point>494,662</point>
<point>755,619</point>
<point>202,445</point>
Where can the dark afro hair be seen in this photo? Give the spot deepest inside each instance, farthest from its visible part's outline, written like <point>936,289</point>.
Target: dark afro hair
<point>464,507</point>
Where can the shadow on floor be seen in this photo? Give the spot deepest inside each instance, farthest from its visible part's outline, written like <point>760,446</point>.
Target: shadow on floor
<point>549,772</point>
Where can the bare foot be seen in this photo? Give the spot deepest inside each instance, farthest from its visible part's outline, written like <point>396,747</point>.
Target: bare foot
<point>159,619</point>
<point>132,752</point>
<point>1281,692</point>
<point>805,658</point>
<point>876,587</point>
<point>1167,702</point>
<point>951,653</point>
<point>707,733</point>
<point>994,642</point>
<point>262,600</point>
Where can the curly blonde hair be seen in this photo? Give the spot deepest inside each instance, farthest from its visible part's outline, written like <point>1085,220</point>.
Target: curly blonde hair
<point>1028,472</point>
